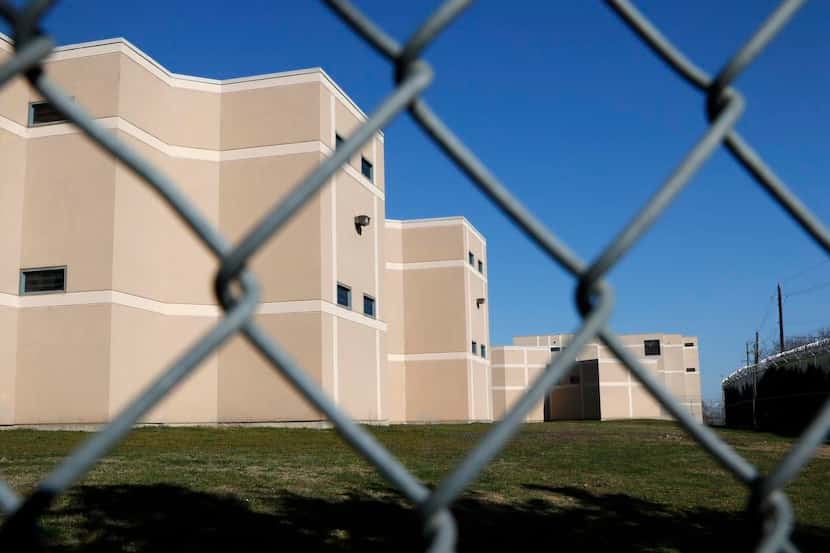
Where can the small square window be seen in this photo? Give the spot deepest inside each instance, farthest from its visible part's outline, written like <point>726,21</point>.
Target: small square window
<point>474,348</point>
<point>652,347</point>
<point>338,141</point>
<point>367,169</point>
<point>480,266</point>
<point>689,345</point>
<point>556,348</point>
<point>42,113</point>
<point>471,258</point>
<point>43,281</point>
<point>691,369</point>
<point>344,296</point>
<point>483,351</point>
<point>369,306</point>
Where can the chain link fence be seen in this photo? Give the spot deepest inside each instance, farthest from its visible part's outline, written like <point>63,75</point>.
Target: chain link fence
<point>237,289</point>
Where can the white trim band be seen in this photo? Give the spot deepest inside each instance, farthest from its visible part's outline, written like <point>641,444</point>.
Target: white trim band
<point>443,356</point>
<point>180,309</point>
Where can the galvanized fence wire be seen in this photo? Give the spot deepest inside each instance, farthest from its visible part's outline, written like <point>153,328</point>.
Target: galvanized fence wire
<point>767,504</point>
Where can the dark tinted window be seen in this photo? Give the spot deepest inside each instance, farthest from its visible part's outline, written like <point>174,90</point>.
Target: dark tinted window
<point>344,296</point>
<point>480,266</point>
<point>690,369</point>
<point>36,281</point>
<point>369,305</point>
<point>483,350</point>
<point>471,258</point>
<point>474,348</point>
<point>42,112</point>
<point>652,347</point>
<point>556,348</point>
<point>367,169</point>
<point>689,344</point>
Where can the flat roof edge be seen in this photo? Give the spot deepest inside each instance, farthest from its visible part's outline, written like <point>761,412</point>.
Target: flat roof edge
<point>438,221</point>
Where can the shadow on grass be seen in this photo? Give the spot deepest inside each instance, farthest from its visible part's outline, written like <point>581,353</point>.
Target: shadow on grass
<point>168,518</point>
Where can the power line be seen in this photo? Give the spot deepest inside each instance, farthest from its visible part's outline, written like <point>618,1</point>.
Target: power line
<point>813,288</point>
<point>766,313</point>
<point>805,271</point>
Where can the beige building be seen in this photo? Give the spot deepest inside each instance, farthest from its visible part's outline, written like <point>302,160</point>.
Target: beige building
<point>599,386</point>
<point>101,285</point>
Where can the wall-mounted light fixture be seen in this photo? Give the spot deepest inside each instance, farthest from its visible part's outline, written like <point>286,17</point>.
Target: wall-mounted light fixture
<point>361,221</point>
<point>479,302</point>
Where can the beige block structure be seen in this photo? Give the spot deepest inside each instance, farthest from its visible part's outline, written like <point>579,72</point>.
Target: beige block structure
<point>599,386</point>
<point>137,289</point>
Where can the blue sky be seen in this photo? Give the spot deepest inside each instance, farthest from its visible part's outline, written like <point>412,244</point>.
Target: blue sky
<point>571,111</point>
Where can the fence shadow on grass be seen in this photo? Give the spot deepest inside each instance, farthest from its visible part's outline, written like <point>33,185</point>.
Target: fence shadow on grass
<point>168,518</point>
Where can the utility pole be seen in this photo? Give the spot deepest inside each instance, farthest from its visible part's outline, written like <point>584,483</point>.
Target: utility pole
<point>780,321</point>
<point>747,353</point>
<point>755,385</point>
<point>757,350</point>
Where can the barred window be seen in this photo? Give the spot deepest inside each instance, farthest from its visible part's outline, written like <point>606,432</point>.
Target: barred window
<point>367,169</point>
<point>42,281</point>
<point>41,113</point>
<point>368,305</point>
<point>652,347</point>
<point>344,295</point>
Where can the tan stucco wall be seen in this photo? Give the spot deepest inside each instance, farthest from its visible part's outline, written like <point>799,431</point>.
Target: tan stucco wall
<point>433,318</point>
<point>608,391</point>
<point>360,371</point>
<point>155,254</point>
<point>250,389</point>
<point>68,210</point>
<point>289,265</point>
<point>267,116</point>
<point>8,364</point>
<point>174,115</point>
<point>12,175</point>
<point>437,391</point>
<point>63,361</point>
<point>143,345</point>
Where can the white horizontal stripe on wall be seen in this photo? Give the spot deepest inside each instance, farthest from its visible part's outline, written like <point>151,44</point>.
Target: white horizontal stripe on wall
<point>443,264</point>
<point>186,152</point>
<point>520,348</point>
<point>181,309</point>
<point>443,356</point>
<point>518,366</point>
<point>508,387</point>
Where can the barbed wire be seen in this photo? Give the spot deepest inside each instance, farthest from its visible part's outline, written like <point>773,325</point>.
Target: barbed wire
<point>768,505</point>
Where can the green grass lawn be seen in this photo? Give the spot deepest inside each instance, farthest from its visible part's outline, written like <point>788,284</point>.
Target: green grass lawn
<point>627,486</point>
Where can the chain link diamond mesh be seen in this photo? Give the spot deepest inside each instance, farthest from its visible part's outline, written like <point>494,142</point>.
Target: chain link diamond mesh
<point>768,506</point>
